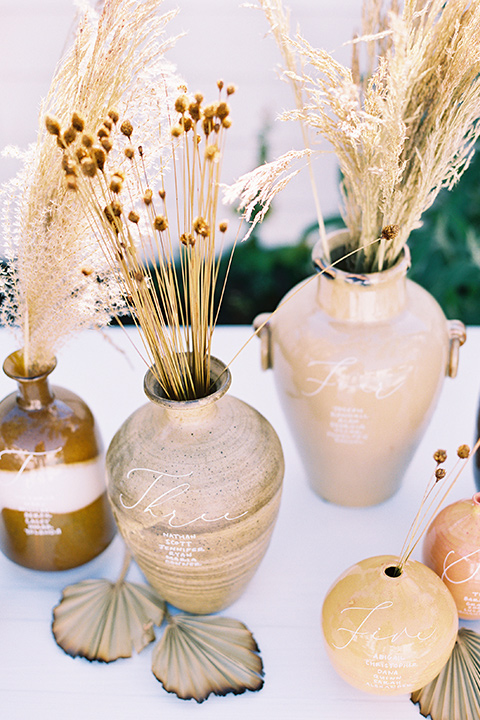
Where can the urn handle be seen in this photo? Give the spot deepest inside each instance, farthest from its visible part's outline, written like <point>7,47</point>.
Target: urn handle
<point>458,335</point>
<point>262,328</point>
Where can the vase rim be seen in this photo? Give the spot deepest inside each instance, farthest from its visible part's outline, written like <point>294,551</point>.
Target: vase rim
<point>337,239</point>
<point>222,381</point>
<point>11,365</point>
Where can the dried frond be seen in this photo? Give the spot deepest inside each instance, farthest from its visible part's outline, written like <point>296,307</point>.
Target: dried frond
<point>166,258</point>
<point>115,61</point>
<point>403,127</point>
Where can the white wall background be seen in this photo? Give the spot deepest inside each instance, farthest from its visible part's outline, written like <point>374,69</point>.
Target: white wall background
<point>224,40</point>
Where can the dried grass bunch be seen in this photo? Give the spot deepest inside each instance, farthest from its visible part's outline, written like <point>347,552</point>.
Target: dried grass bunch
<point>403,120</point>
<point>56,281</point>
<point>159,238</point>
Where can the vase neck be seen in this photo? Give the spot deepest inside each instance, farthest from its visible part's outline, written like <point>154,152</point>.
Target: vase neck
<point>193,409</point>
<point>367,297</point>
<point>33,393</point>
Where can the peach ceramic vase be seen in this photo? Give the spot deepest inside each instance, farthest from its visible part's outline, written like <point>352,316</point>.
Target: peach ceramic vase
<point>195,488</point>
<point>55,513</point>
<point>359,362</point>
<point>389,634</point>
<point>452,549</point>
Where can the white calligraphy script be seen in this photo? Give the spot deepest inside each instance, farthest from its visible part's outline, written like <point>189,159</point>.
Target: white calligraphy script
<point>168,496</point>
<point>381,383</point>
<point>448,566</point>
<point>367,614</point>
<point>29,455</point>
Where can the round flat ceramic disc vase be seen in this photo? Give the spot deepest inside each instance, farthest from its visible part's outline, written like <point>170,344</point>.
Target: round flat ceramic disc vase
<point>195,488</point>
<point>359,362</point>
<point>452,549</point>
<point>55,513</point>
<point>389,635</point>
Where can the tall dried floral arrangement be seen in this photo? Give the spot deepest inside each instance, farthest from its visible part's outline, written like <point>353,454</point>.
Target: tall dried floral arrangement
<point>160,237</point>
<point>403,120</point>
<point>56,281</point>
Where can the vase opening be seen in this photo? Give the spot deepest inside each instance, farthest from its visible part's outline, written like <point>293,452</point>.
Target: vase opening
<point>476,499</point>
<point>393,571</point>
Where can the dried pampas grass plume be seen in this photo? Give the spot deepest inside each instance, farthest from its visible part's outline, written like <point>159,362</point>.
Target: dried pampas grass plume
<point>116,63</point>
<point>403,121</point>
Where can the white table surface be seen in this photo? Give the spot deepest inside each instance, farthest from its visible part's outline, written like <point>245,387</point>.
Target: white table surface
<point>312,544</point>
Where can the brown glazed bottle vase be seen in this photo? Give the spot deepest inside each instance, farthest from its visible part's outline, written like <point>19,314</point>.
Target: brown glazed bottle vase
<point>54,509</point>
<point>359,362</point>
<point>195,488</point>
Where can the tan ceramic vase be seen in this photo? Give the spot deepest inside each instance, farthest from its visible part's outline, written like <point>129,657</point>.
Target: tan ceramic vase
<point>195,488</point>
<point>359,362</point>
<point>55,513</point>
<point>452,549</point>
<point>389,635</point>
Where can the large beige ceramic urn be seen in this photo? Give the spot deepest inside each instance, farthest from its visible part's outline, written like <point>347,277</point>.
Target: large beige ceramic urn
<point>359,362</point>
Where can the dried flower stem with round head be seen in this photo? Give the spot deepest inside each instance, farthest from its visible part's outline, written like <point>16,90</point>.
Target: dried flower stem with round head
<point>438,488</point>
<point>160,238</point>
<point>57,281</point>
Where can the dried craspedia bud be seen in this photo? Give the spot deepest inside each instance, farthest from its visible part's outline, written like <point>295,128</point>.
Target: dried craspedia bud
<point>113,219</point>
<point>390,232</point>
<point>67,166</point>
<point>72,182</point>
<point>220,84</point>
<point>80,153</point>
<point>230,89</point>
<point>87,271</point>
<point>176,130</point>
<point>113,115</point>
<point>52,125</point>
<point>129,152</point>
<point>181,104</point>
<point>88,167</point>
<point>87,140</point>
<point>108,124</point>
<point>198,98</point>
<point>207,126</point>
<point>116,208</point>
<point>69,135</point>
<point>210,111</point>
<point>187,239</point>
<point>227,123</point>
<point>463,452</point>
<point>103,132</point>
<point>99,155</point>
<point>116,183</point>
<point>201,227</point>
<point>222,110</point>
<point>160,223</point>
<point>161,194</point>
<point>133,216</point>
<point>194,111</point>
<point>212,153</point>
<point>187,124</point>
<point>78,122</point>
<point>223,226</point>
<point>106,143</point>
<point>440,456</point>
<point>126,128</point>
<point>147,196</point>
<point>440,473</point>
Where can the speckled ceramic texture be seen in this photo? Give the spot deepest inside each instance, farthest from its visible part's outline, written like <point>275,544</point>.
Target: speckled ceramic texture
<point>452,549</point>
<point>54,511</point>
<point>389,635</point>
<point>359,362</point>
<point>195,488</point>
